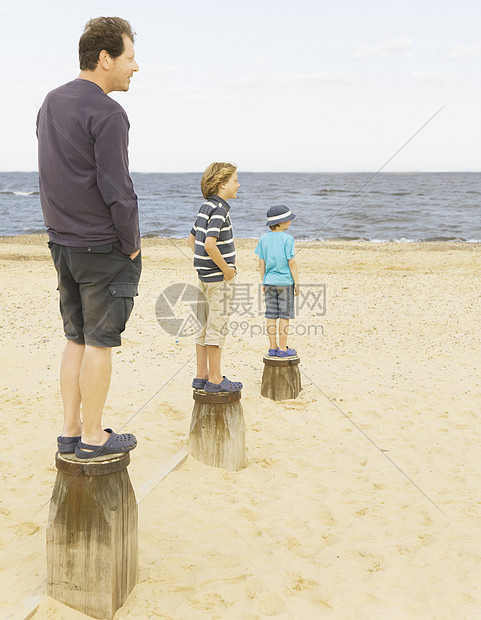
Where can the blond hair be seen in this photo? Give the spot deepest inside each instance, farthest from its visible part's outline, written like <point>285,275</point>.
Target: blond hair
<point>214,175</point>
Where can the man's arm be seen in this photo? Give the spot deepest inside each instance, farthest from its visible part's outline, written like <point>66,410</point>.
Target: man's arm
<point>114,181</point>
<point>214,253</point>
<point>295,275</point>
<point>191,242</point>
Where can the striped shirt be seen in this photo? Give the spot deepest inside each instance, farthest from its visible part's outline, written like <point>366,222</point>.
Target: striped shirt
<point>213,220</point>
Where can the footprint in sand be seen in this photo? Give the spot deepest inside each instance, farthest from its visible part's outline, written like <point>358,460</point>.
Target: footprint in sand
<point>271,604</point>
<point>225,560</point>
<point>326,518</point>
<point>27,528</point>
<point>254,516</point>
<point>209,601</point>
<point>300,583</point>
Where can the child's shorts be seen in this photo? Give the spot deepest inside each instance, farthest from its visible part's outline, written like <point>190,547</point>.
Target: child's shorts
<point>279,301</point>
<point>213,309</point>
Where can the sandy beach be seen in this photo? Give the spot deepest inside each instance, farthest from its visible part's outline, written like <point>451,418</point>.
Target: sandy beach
<point>360,499</point>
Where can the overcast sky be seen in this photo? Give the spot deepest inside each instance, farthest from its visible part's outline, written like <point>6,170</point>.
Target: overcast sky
<point>273,85</point>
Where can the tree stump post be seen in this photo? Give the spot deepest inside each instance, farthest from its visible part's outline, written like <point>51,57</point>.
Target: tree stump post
<point>92,549</point>
<point>217,430</point>
<point>281,379</point>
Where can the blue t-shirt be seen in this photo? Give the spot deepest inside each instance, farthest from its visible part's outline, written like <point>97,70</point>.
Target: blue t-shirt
<point>276,248</point>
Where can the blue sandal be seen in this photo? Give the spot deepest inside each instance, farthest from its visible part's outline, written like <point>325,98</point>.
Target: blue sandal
<point>272,352</point>
<point>288,353</point>
<point>226,385</point>
<point>115,444</point>
<point>199,384</point>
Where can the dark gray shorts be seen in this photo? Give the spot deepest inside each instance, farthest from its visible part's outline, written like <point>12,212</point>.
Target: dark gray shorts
<point>97,285</point>
<point>279,301</point>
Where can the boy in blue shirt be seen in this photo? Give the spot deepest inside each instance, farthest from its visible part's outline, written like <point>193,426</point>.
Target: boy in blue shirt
<point>280,277</point>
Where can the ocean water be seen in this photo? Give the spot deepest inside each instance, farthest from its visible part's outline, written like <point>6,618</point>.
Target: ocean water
<point>349,206</point>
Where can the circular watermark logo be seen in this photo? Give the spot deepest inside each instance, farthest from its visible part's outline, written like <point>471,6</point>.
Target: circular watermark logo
<point>180,310</point>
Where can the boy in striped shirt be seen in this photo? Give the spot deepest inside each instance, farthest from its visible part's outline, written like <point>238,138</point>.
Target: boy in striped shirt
<point>212,241</point>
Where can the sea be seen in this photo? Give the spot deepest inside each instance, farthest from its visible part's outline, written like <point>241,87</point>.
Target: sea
<point>401,207</point>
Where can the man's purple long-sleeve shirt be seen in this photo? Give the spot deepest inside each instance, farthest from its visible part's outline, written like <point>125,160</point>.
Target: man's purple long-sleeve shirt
<point>86,191</point>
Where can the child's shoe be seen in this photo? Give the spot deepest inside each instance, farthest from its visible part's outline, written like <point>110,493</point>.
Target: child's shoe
<point>272,352</point>
<point>226,385</point>
<point>198,384</point>
<point>288,353</point>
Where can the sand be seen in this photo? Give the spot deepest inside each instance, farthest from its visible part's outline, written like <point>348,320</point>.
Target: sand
<point>360,499</point>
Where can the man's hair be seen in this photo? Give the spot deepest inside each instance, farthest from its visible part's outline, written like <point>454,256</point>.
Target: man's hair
<point>214,175</point>
<point>102,33</point>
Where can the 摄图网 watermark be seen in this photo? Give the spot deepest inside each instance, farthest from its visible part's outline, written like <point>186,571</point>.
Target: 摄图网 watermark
<point>180,309</point>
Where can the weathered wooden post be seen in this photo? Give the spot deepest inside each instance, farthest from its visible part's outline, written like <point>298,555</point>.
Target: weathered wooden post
<point>281,379</point>
<point>92,530</point>
<point>217,430</point>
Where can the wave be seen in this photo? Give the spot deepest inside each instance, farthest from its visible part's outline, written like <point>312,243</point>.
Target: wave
<point>326,191</point>
<point>443,238</point>
<point>361,192</point>
<point>399,193</point>
<point>19,193</point>
<point>299,240</point>
<point>33,231</point>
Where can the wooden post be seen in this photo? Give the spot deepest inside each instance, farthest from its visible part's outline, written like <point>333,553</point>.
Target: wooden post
<point>92,534</point>
<point>217,430</point>
<point>281,379</point>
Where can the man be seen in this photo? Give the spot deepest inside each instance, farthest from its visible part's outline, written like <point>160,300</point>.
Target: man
<point>90,210</point>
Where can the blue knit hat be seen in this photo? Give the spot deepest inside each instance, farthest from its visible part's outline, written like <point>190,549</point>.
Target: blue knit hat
<point>279,214</point>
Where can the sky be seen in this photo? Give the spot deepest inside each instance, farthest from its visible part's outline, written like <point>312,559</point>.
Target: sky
<point>272,85</point>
